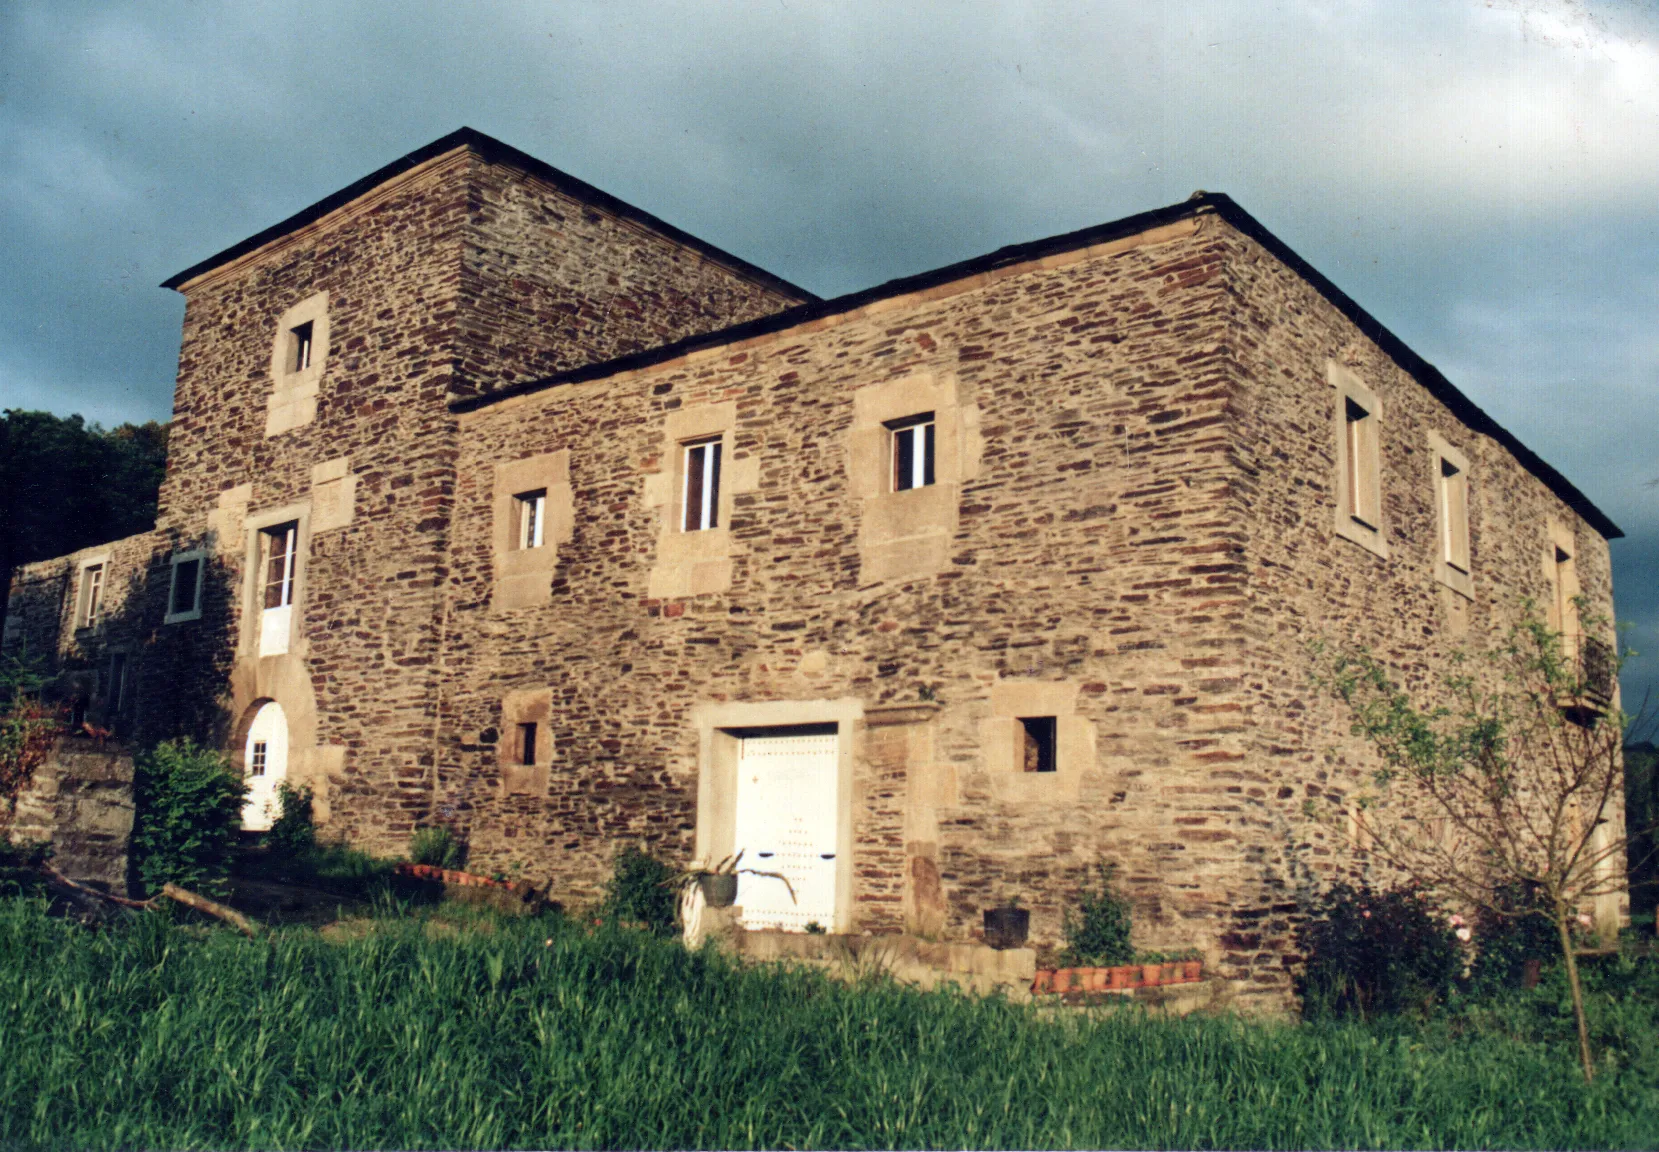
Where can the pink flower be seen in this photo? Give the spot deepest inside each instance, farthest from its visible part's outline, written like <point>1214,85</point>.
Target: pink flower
<point>1464,935</point>
<point>1365,912</point>
<point>1584,919</point>
<point>1457,921</point>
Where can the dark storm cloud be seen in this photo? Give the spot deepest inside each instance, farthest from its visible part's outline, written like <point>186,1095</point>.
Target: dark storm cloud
<point>1482,176</point>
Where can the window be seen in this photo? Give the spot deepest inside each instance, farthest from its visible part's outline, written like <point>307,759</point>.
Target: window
<point>119,688</point>
<point>527,744</point>
<point>912,452</point>
<point>257,758</point>
<point>299,347</point>
<point>530,515</point>
<point>1358,479</point>
<point>1452,564</point>
<point>184,596</point>
<point>278,545</point>
<point>278,564</point>
<point>1564,592</point>
<point>702,486</point>
<point>1364,496</point>
<point>1039,750</point>
<point>90,602</point>
<point>1454,515</point>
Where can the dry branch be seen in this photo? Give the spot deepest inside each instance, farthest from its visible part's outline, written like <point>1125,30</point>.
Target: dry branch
<point>212,908</point>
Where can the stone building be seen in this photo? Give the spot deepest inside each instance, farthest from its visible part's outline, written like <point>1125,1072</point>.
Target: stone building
<point>497,503</point>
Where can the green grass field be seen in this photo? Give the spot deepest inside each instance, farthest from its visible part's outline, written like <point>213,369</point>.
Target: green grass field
<point>151,1034</point>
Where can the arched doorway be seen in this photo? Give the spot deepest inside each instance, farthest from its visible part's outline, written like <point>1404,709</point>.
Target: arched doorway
<point>264,765</point>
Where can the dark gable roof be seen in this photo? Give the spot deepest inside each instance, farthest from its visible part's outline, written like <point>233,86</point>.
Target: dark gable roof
<point>1222,205</point>
<point>495,152</point>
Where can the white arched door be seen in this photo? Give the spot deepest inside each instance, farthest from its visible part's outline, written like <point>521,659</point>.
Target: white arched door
<point>264,765</point>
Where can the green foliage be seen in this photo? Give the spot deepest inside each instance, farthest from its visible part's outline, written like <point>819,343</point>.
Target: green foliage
<point>1515,928</point>
<point>1097,934</point>
<point>188,808</point>
<point>1376,953</point>
<point>149,1034</point>
<point>643,891</point>
<point>28,726</point>
<point>437,847</point>
<point>66,484</point>
<point>294,830</point>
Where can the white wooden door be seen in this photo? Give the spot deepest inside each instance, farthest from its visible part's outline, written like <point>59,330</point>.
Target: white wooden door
<point>264,765</point>
<point>788,821</point>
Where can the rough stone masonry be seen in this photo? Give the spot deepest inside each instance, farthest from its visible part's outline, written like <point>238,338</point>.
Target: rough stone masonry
<point>523,601</point>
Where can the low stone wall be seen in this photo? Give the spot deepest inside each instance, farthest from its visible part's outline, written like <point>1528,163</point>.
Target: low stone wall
<point>81,802</point>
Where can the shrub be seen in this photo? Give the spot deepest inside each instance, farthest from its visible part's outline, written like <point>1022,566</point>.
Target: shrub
<point>1517,928</point>
<point>188,807</point>
<point>294,830</point>
<point>644,891</point>
<point>1376,953</point>
<point>1098,933</point>
<point>28,726</point>
<point>437,847</point>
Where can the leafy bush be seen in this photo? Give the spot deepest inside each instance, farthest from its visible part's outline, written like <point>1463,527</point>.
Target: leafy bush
<point>188,808</point>
<point>1516,930</point>
<point>294,830</point>
<point>28,726</point>
<point>1098,933</point>
<point>1371,953</point>
<point>643,890</point>
<point>437,847</point>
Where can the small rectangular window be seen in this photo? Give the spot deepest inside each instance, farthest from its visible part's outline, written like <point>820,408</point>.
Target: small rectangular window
<point>1564,595</point>
<point>530,509</point>
<point>527,744</point>
<point>256,763</point>
<point>91,601</point>
<point>702,486</point>
<point>184,597</point>
<point>118,686</point>
<point>1039,743</point>
<point>278,545</point>
<point>299,347</point>
<point>912,451</point>
<point>1364,487</point>
<point>1454,516</point>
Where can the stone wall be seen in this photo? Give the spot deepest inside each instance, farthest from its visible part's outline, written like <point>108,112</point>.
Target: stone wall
<point>1095,553</point>
<point>80,800</point>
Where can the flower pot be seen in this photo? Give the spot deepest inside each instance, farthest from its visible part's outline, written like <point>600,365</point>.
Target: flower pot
<point>1192,971</point>
<point>1120,977</point>
<point>1098,979</point>
<point>1043,980</point>
<point>1171,973</point>
<point>1007,927</point>
<point>1150,974</point>
<point>719,888</point>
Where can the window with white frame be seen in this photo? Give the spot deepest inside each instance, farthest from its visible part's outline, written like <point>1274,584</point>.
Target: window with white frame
<point>184,593</point>
<point>530,511</point>
<point>278,565</point>
<point>89,601</point>
<point>701,491</point>
<point>257,757</point>
<point>911,443</point>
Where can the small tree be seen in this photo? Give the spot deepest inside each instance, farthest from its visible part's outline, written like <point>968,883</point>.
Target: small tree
<point>188,802</point>
<point>1511,782</point>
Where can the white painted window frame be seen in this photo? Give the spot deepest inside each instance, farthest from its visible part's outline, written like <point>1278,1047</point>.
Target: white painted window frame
<point>921,431</point>
<point>194,612</point>
<point>90,599</point>
<point>531,512</point>
<point>706,516</point>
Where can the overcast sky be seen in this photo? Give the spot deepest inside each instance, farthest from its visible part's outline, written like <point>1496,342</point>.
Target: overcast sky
<point>1481,175</point>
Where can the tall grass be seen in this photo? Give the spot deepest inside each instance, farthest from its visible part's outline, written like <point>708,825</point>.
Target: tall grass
<point>155,1035</point>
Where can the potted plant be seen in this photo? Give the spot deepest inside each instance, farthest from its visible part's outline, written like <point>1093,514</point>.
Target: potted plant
<point>1007,925</point>
<point>1152,968</point>
<point>719,883</point>
<point>1192,964</point>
